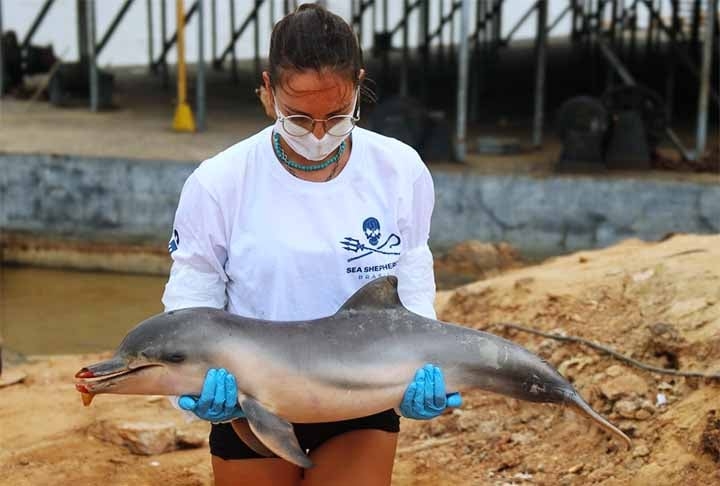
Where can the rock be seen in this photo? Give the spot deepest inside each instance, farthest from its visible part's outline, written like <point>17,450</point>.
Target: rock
<point>436,427</point>
<point>523,476</point>
<point>142,438</point>
<point>626,408</point>
<point>567,480</point>
<point>599,475</point>
<point>711,435</point>
<point>522,437</point>
<point>11,377</point>
<point>684,308</point>
<point>570,368</point>
<point>629,427</point>
<point>644,275</point>
<point>642,414</point>
<point>577,468</point>
<point>614,371</point>
<point>641,451</point>
<point>191,438</point>
<point>627,384</point>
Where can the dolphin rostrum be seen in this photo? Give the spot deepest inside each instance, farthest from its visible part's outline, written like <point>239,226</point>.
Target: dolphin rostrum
<point>354,363</point>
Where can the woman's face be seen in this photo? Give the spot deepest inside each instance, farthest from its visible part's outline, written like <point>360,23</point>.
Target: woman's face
<point>318,95</point>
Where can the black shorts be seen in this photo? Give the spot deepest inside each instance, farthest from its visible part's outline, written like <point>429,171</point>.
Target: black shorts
<point>225,443</point>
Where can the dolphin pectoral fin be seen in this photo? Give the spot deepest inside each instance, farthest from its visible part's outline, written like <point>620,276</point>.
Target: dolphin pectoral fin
<point>242,429</point>
<point>275,433</point>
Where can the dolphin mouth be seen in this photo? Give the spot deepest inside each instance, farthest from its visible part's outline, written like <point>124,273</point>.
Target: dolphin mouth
<point>87,375</point>
<point>91,380</point>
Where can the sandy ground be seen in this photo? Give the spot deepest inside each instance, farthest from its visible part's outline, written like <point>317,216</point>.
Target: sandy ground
<point>657,302</point>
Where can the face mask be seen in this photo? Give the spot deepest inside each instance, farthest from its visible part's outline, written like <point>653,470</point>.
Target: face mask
<point>308,146</point>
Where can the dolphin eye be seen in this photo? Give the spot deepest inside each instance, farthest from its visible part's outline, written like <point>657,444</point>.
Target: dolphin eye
<point>174,357</point>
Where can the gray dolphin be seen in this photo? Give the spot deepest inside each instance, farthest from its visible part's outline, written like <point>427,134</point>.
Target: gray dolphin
<point>354,363</point>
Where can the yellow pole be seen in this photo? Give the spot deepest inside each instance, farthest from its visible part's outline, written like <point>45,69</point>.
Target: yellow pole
<point>183,121</point>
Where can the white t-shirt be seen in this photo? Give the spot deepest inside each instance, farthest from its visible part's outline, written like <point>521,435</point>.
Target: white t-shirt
<point>252,238</point>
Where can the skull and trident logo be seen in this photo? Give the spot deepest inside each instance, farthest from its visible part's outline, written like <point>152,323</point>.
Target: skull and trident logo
<point>371,229</point>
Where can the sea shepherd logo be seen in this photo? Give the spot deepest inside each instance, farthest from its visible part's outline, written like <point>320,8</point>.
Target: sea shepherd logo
<point>360,249</point>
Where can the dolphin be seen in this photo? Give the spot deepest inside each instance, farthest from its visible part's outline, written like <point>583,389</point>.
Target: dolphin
<point>354,363</point>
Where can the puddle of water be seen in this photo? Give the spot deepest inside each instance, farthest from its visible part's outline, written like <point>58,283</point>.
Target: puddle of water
<point>45,311</point>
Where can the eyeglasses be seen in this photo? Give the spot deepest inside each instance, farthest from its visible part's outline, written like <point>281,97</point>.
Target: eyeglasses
<point>338,125</point>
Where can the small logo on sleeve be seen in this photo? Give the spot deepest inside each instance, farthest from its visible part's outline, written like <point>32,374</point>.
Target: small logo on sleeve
<point>174,241</point>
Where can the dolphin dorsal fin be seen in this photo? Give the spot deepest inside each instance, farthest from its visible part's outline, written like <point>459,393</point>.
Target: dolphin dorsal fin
<point>381,293</point>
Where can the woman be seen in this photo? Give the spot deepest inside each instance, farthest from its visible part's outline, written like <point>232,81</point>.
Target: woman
<point>289,223</point>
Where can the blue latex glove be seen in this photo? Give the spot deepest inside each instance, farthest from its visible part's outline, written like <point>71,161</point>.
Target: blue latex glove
<point>218,401</point>
<point>425,398</point>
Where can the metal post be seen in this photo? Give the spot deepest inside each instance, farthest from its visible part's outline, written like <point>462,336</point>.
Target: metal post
<point>557,20</point>
<point>609,79</point>
<point>90,36</point>
<point>272,14</point>
<point>633,33</point>
<point>2,90</point>
<point>452,28</point>
<point>233,58</point>
<point>183,121</point>
<point>695,28</point>
<point>620,45</point>
<point>441,27</point>
<point>353,14</point>
<point>658,33</point>
<point>374,22</point>
<point>573,22</point>
<point>151,53</point>
<point>213,27</point>
<point>82,29</point>
<point>650,30</point>
<point>258,69</point>
<point>670,64</point>
<point>476,69</point>
<point>113,25</point>
<point>200,106</point>
<point>704,96</point>
<point>405,51</point>
<point>541,48</point>
<point>520,22</point>
<point>498,23</point>
<point>463,61</point>
<point>163,35</point>
<point>385,53</point>
<point>37,21</point>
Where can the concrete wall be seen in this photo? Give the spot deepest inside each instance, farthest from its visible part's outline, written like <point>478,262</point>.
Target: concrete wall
<point>99,199</point>
<point>552,215</point>
<point>134,201</point>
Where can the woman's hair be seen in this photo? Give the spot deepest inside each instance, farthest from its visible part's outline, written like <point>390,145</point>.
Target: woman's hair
<point>312,38</point>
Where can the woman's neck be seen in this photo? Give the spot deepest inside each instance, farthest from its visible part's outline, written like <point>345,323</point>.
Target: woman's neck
<point>322,175</point>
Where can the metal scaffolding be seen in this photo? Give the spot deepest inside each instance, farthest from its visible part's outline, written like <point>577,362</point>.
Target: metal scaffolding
<point>460,39</point>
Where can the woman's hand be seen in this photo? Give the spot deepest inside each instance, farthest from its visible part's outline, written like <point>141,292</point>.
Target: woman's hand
<point>425,398</point>
<point>218,401</point>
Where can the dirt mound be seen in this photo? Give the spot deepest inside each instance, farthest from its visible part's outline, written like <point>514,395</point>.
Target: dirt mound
<point>655,302</point>
<point>473,260</point>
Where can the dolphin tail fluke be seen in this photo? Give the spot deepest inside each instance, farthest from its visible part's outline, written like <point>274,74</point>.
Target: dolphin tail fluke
<point>275,433</point>
<point>576,402</point>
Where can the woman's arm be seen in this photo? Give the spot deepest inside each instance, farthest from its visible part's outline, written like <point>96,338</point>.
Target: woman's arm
<point>416,278</point>
<point>198,250</point>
